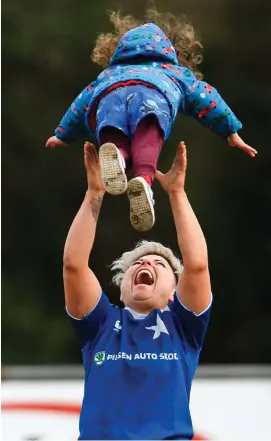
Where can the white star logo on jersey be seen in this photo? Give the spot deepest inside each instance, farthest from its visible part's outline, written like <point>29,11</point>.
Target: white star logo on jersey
<point>160,327</point>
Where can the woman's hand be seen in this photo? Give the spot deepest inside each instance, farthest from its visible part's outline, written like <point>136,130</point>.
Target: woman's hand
<point>93,169</point>
<point>173,181</point>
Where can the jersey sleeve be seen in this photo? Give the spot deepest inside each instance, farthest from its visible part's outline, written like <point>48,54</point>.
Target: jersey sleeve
<point>191,326</point>
<point>204,103</point>
<point>88,327</point>
<point>72,126</point>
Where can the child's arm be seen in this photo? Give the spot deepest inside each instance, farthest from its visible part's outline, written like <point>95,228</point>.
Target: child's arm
<point>72,126</point>
<point>204,103</point>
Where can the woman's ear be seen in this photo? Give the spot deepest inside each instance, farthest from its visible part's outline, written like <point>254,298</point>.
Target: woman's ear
<point>171,297</point>
<point>121,296</point>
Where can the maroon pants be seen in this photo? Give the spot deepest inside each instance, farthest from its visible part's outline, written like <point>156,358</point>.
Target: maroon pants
<point>141,152</point>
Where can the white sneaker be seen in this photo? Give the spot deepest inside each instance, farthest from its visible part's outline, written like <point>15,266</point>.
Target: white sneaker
<point>141,200</point>
<point>112,169</point>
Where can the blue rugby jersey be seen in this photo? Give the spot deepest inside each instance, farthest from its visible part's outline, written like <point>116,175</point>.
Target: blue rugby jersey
<point>138,371</point>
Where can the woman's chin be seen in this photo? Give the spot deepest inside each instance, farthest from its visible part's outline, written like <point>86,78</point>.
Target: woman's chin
<point>142,292</point>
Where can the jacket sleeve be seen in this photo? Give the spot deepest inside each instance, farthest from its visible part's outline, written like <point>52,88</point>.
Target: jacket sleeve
<point>72,126</point>
<point>204,103</point>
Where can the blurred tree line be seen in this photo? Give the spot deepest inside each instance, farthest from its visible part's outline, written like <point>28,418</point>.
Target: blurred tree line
<point>45,63</point>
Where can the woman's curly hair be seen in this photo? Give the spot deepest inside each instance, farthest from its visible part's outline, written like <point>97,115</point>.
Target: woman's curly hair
<point>181,34</point>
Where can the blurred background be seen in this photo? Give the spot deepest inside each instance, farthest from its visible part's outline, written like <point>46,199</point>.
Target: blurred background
<point>45,64</point>
<point>46,49</point>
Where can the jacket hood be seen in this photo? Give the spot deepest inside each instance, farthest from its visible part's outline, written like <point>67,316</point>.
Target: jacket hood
<point>144,43</point>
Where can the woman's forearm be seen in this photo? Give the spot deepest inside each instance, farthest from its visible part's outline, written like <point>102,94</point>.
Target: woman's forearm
<point>81,235</point>
<point>191,240</point>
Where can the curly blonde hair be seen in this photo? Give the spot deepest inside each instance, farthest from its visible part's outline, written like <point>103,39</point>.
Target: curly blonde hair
<point>182,35</point>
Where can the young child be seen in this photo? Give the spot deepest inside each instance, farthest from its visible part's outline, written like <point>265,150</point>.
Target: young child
<point>150,75</point>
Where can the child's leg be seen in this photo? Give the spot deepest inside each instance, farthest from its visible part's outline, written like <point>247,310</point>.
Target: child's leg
<point>117,137</point>
<point>146,146</point>
<point>112,134</point>
<point>150,123</point>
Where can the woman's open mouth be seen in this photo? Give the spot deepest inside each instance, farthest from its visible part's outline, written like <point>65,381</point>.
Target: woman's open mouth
<point>144,277</point>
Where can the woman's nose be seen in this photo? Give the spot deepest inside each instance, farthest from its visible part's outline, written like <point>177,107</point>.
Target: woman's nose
<point>146,262</point>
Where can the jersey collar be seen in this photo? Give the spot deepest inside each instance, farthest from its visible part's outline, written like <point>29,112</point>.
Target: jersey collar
<point>139,316</point>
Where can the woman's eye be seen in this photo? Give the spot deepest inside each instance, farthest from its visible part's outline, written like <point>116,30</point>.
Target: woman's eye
<point>136,263</point>
<point>161,263</point>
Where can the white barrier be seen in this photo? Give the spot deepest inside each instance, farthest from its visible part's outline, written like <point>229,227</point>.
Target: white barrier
<point>222,409</point>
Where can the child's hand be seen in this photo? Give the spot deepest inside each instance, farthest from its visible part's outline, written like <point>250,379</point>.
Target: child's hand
<point>236,141</point>
<point>54,141</point>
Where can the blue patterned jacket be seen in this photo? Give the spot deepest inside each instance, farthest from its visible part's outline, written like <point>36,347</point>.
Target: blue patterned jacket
<point>146,55</point>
